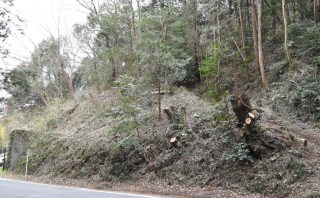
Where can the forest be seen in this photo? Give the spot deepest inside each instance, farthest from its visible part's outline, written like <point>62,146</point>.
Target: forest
<point>222,44</point>
<point>190,93</point>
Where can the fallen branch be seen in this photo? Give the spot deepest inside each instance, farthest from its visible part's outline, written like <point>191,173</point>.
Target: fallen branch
<point>251,115</point>
<point>242,55</point>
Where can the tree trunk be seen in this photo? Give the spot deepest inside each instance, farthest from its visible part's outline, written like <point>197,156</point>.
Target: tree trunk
<point>114,74</point>
<point>69,84</point>
<point>316,11</point>
<point>139,72</point>
<point>230,7</point>
<point>139,10</point>
<point>254,34</point>
<point>260,46</point>
<point>196,33</point>
<point>219,34</point>
<point>243,39</point>
<point>302,9</point>
<point>285,22</point>
<point>95,72</point>
<point>294,11</point>
<point>133,20</point>
<point>65,79</point>
<point>318,8</point>
<point>247,14</point>
<point>274,16</point>
<point>159,91</point>
<point>133,36</point>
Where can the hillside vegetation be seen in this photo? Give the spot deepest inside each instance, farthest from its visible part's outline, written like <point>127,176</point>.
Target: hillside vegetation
<point>152,103</point>
<point>94,138</point>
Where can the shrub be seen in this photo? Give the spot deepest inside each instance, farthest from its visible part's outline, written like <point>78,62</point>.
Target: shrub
<point>241,153</point>
<point>129,99</point>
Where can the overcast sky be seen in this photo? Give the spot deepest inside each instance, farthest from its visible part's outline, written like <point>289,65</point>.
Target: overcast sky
<point>42,17</point>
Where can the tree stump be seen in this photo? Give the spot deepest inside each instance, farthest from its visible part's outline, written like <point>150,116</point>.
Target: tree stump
<point>243,110</point>
<point>174,142</point>
<point>176,115</point>
<point>178,118</point>
<point>261,141</point>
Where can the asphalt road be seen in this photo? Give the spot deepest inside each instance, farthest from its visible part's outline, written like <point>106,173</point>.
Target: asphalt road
<point>20,189</point>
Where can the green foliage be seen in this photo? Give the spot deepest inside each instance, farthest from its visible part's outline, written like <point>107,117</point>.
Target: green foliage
<point>129,101</point>
<point>40,124</point>
<point>241,153</point>
<point>210,66</point>
<point>126,86</point>
<point>54,119</point>
<point>306,32</point>
<point>124,158</point>
<point>220,117</point>
<point>160,49</point>
<point>307,99</point>
<point>295,171</point>
<point>50,119</point>
<point>44,78</point>
<point>307,37</point>
<point>124,128</point>
<point>42,149</point>
<point>18,84</point>
<point>107,39</point>
<point>3,172</point>
<point>210,71</point>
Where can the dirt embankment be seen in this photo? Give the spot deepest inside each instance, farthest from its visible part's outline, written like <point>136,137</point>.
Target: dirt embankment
<point>92,143</point>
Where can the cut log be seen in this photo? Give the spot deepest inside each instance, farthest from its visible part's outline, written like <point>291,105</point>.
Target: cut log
<point>248,121</point>
<point>251,115</point>
<point>156,92</point>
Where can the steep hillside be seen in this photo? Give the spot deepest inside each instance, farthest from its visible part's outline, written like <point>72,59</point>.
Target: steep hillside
<point>91,138</point>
